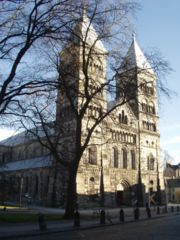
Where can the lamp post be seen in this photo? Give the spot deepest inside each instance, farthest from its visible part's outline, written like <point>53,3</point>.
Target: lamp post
<point>21,189</point>
<point>158,180</point>
<point>139,181</point>
<point>102,184</point>
<point>102,199</point>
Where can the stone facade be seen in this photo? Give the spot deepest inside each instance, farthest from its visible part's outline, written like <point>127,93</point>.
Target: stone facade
<point>123,146</point>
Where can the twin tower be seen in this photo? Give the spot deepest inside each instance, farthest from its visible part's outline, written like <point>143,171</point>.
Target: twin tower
<point>125,145</point>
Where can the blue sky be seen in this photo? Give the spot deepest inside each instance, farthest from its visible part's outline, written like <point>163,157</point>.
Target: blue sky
<point>157,25</point>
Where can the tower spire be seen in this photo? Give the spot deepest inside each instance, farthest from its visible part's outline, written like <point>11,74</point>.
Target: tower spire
<point>135,58</point>
<point>133,36</point>
<point>84,8</point>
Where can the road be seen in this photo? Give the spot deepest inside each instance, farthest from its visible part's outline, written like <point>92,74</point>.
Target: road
<point>165,228</point>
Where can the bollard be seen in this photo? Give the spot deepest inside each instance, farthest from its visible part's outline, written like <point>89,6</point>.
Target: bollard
<point>121,215</point>
<point>172,209</point>
<point>178,209</point>
<point>158,210</point>
<point>136,213</point>
<point>165,209</point>
<point>102,217</point>
<point>148,211</point>
<point>42,222</point>
<point>76,219</point>
<point>4,209</point>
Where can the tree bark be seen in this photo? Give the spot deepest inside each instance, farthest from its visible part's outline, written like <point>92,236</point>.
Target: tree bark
<point>54,195</point>
<point>71,200</point>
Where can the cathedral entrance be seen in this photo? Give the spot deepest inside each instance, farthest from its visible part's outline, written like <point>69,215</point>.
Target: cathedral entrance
<point>119,198</point>
<point>123,193</point>
<point>119,195</point>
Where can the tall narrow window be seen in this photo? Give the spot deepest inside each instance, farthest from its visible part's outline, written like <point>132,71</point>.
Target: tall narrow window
<point>124,157</point>
<point>92,152</point>
<point>150,162</point>
<point>123,118</point>
<point>115,157</point>
<point>133,159</point>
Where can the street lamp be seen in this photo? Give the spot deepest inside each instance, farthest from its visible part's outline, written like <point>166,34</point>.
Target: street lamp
<point>102,198</point>
<point>139,183</point>
<point>158,180</point>
<point>21,190</point>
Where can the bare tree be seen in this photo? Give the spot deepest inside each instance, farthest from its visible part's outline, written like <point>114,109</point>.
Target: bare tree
<point>25,25</point>
<point>78,92</point>
<point>83,86</point>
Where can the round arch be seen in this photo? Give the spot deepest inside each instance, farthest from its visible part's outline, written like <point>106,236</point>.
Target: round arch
<point>123,193</point>
<point>123,184</point>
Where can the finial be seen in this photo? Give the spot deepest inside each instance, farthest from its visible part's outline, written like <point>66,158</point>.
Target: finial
<point>84,8</point>
<point>133,36</point>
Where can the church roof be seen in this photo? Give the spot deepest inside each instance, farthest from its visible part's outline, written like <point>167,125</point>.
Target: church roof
<point>86,31</point>
<point>135,58</point>
<point>17,139</point>
<point>27,136</point>
<point>38,162</point>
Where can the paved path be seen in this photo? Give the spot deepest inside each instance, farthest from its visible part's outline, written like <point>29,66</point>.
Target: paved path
<point>166,228</point>
<point>14,230</point>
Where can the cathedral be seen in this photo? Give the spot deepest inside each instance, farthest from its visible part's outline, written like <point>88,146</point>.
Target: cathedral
<point>124,149</point>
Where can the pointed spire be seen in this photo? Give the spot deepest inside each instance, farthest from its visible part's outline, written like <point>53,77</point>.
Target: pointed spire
<point>85,29</point>
<point>133,37</point>
<point>135,58</point>
<point>84,9</point>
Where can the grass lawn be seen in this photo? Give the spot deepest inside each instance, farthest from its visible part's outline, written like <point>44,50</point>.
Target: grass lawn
<point>15,214</point>
<point>10,207</point>
<point>25,217</point>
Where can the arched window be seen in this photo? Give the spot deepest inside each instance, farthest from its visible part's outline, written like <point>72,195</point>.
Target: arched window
<point>92,152</point>
<point>150,88</point>
<point>133,159</point>
<point>124,158</point>
<point>115,157</point>
<point>134,138</point>
<point>116,138</point>
<point>151,108</point>
<point>123,118</point>
<point>150,162</point>
<point>144,105</point>
<point>154,127</point>
<point>123,137</point>
<point>126,137</point>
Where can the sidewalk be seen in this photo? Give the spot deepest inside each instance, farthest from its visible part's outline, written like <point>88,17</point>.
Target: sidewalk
<point>14,230</point>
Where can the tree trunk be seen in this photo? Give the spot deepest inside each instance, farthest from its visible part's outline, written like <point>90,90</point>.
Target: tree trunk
<point>54,195</point>
<point>71,200</point>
